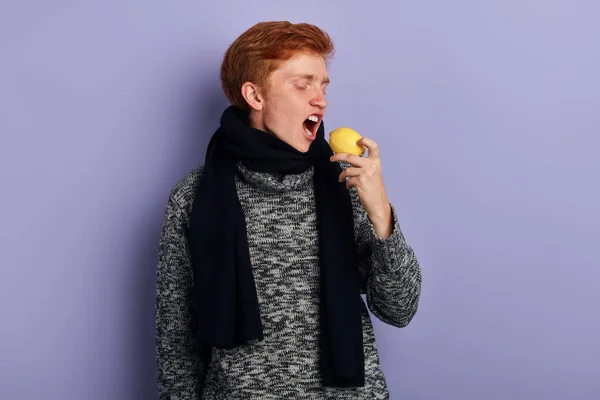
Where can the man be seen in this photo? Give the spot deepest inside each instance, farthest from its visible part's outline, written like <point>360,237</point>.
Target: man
<point>266,249</point>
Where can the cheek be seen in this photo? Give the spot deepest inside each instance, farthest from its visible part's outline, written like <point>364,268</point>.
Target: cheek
<point>281,111</point>
<point>274,116</point>
<point>284,112</point>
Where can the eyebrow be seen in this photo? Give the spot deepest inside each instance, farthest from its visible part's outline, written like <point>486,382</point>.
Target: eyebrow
<point>311,77</point>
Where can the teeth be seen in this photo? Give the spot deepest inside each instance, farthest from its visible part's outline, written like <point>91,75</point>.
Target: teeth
<point>308,132</point>
<point>313,118</point>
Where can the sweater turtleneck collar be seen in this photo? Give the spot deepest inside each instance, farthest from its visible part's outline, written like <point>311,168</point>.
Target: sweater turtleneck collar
<point>274,182</point>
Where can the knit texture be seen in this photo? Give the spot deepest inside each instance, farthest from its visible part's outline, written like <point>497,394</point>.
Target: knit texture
<point>283,239</point>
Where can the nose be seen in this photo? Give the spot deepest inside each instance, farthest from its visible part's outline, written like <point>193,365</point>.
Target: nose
<point>319,100</point>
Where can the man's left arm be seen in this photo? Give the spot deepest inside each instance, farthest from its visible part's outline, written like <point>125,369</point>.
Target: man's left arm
<point>389,269</point>
<point>390,272</point>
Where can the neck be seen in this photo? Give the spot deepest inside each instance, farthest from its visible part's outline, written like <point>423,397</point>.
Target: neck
<point>260,150</point>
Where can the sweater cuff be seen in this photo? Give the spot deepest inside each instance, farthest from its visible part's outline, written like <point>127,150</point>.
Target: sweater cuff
<point>388,251</point>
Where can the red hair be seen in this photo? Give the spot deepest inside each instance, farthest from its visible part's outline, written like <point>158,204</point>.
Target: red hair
<point>259,51</point>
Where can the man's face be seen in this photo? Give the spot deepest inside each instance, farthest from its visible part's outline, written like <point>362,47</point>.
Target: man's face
<point>294,101</point>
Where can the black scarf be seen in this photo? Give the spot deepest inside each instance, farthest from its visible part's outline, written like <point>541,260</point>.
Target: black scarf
<point>226,302</point>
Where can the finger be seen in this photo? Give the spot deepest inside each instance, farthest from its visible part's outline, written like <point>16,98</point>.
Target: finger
<point>353,159</point>
<point>349,172</point>
<point>371,145</point>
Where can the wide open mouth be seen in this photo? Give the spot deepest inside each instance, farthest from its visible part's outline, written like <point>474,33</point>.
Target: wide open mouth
<point>311,124</point>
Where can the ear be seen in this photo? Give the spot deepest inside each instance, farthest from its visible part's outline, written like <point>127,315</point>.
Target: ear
<point>252,95</point>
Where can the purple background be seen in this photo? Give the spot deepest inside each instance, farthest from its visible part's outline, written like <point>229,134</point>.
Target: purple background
<point>488,114</point>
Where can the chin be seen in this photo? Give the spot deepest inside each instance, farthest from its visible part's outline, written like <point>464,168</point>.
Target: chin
<point>302,147</point>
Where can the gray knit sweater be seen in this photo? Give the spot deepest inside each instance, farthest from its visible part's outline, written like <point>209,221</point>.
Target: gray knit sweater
<point>281,223</point>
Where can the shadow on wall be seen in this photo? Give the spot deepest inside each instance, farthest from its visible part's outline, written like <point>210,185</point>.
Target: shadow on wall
<point>203,114</point>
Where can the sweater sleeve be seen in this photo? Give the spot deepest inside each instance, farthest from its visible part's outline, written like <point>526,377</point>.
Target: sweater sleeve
<point>180,364</point>
<point>390,272</point>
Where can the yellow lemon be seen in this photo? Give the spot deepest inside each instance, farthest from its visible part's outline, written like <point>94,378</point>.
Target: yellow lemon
<point>343,140</point>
